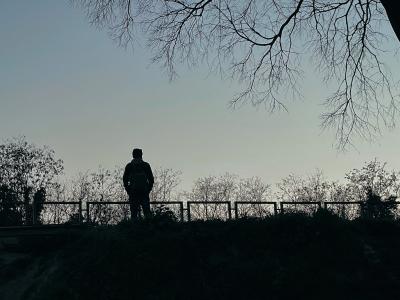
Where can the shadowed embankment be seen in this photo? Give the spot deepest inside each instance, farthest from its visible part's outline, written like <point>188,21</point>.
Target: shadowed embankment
<point>282,257</point>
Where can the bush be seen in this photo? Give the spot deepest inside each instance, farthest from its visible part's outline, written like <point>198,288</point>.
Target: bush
<point>164,214</point>
<point>375,208</point>
<point>9,213</point>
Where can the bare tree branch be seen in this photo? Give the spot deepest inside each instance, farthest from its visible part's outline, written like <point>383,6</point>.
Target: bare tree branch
<point>262,43</point>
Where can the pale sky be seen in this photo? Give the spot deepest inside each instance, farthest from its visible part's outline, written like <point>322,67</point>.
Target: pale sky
<point>65,84</point>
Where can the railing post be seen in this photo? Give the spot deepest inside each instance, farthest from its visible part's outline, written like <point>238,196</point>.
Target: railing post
<point>188,211</point>
<point>229,210</point>
<point>275,208</point>
<point>181,208</point>
<point>80,212</point>
<point>236,210</point>
<point>281,206</point>
<point>87,213</point>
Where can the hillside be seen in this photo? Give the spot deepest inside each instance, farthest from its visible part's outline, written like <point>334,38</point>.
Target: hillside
<point>282,257</point>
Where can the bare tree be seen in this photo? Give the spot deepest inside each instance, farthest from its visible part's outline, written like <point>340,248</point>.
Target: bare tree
<point>60,212</point>
<point>102,185</point>
<point>313,188</point>
<point>212,189</point>
<point>262,44</point>
<point>375,177</point>
<point>341,195</point>
<point>165,183</point>
<point>367,187</point>
<point>253,190</point>
<point>25,166</point>
<point>26,169</point>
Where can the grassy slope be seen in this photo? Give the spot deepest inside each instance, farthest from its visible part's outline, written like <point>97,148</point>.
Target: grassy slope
<point>278,258</point>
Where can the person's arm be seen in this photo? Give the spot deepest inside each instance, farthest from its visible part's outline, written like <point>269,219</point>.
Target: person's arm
<point>125,177</point>
<point>150,177</point>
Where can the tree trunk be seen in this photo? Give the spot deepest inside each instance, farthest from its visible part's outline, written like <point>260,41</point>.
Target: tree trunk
<point>392,8</point>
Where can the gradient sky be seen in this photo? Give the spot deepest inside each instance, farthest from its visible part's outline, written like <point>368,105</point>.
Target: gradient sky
<point>65,84</point>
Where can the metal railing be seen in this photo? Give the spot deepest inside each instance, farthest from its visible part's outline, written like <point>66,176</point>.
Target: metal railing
<point>208,210</point>
<point>180,211</point>
<point>52,212</point>
<point>307,207</point>
<point>110,216</point>
<point>256,209</point>
<point>106,212</point>
<point>101,212</point>
<point>59,212</point>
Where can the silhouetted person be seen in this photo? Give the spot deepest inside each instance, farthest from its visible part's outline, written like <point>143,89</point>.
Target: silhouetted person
<point>138,182</point>
<point>39,198</point>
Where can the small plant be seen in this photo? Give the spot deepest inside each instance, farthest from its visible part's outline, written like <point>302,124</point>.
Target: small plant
<point>164,214</point>
<point>375,208</point>
<point>74,219</point>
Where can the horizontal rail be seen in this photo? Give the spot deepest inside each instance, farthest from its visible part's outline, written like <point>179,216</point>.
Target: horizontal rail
<point>237,203</point>
<point>319,203</point>
<point>107,202</point>
<point>127,202</point>
<point>79,203</point>
<point>227,203</point>
<point>344,202</point>
<point>208,202</point>
<point>180,203</point>
<point>231,207</point>
<point>62,202</point>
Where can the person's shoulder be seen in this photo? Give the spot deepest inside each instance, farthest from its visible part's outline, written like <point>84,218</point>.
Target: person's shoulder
<point>128,165</point>
<point>146,164</point>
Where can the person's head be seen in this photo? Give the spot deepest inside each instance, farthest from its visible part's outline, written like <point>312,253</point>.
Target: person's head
<point>137,153</point>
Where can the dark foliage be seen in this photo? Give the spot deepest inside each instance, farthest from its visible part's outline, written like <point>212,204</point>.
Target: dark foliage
<point>10,214</point>
<point>281,257</point>
<point>163,213</point>
<point>375,208</point>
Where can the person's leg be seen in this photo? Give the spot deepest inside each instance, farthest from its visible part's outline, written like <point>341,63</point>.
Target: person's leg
<point>146,206</point>
<point>134,206</point>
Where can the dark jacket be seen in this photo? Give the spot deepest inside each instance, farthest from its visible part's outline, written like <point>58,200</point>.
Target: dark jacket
<point>132,167</point>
